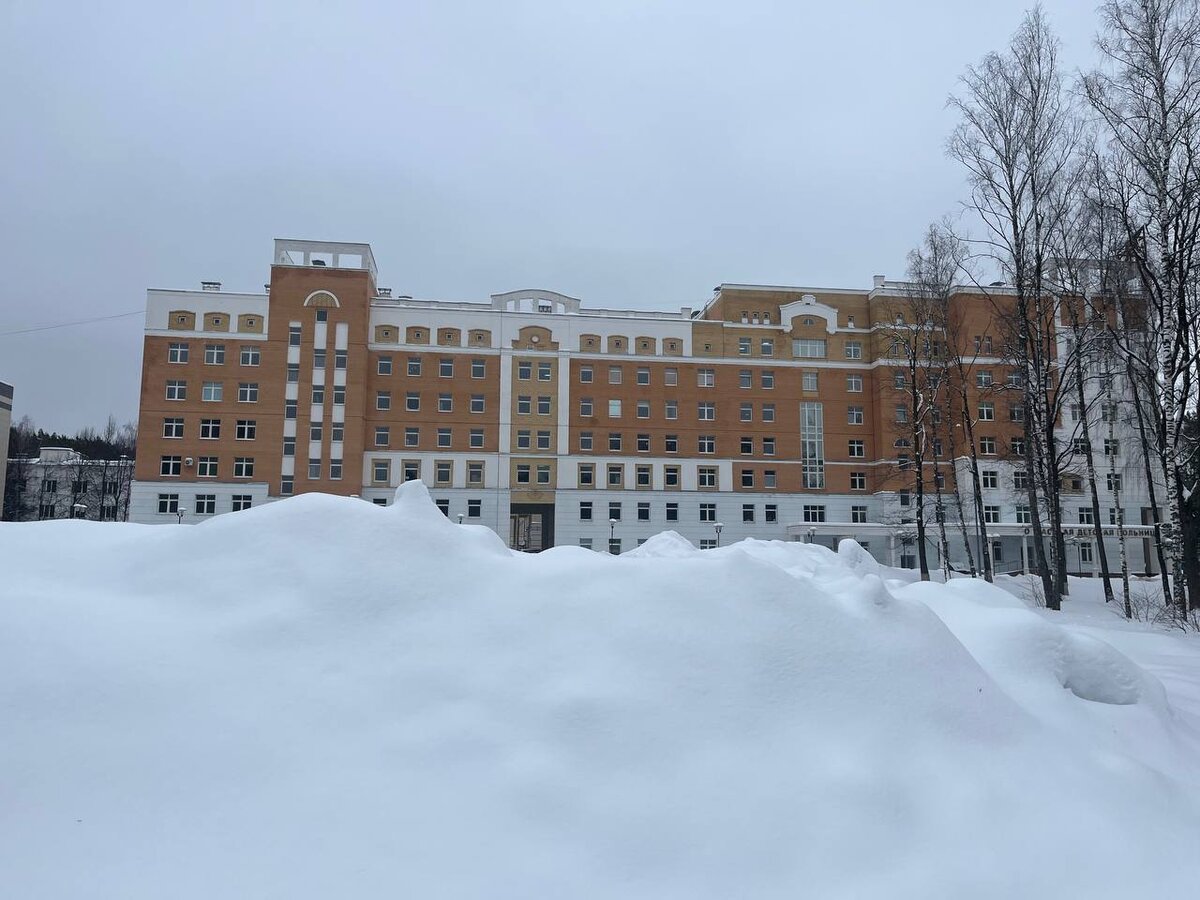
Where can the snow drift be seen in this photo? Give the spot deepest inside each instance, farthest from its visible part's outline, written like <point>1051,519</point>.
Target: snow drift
<point>325,698</point>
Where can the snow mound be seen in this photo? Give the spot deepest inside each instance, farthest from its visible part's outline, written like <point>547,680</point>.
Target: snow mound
<point>323,697</point>
<point>667,544</point>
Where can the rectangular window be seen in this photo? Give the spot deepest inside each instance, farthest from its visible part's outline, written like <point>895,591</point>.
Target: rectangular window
<point>858,481</point>
<point>293,335</point>
<point>670,377</point>
<point>1085,516</point>
<point>337,432</point>
<point>383,400</point>
<point>383,365</point>
<point>289,409</point>
<point>206,467</point>
<point>381,471</point>
<point>768,446</point>
<point>543,440</point>
<point>743,346</point>
<point>293,373</point>
<point>853,349</point>
<point>614,441</point>
<point>443,471</point>
<point>614,510</point>
<point>854,415</point>
<point>747,478</point>
<point>991,514</point>
<point>814,513</point>
<point>767,377</point>
<point>475,439</point>
<point>339,395</point>
<point>808,348</point>
<point>241,501</point>
<point>474,473</point>
<point>989,478</point>
<point>983,378</point>
<point>289,446</point>
<point>318,394</point>
<point>177,353</point>
<point>523,438</point>
<point>446,368</point>
<point>987,412</point>
<point>411,470</point>
<point>1020,480</point>
<point>478,370</point>
<point>745,378</point>
<point>766,347</point>
<point>543,406</point>
<point>585,510</point>
<point>616,475</point>
<point>585,440</point>
<point>412,402</point>
<point>444,436</point>
<point>524,370</point>
<point>543,371</point>
<point>445,403</point>
<point>747,512</point>
<point>169,466</point>
<point>246,429</point>
<point>706,412</point>
<point>672,512</point>
<point>243,467</point>
<point>708,512</point>
<point>414,365</point>
<point>771,513</point>
<point>614,409</point>
<point>383,435</point>
<point>706,443</point>
<point>769,479</point>
<point>585,407</point>
<point>172,428</point>
<point>643,409</point>
<point>524,405</point>
<point>768,412</point>
<point>167,503</point>
<point>643,443</point>
<point>706,377</point>
<point>856,449</point>
<point>671,476</point>
<point>206,504</point>
<point>643,376</point>
<point>812,444</point>
<point>586,374</point>
<point>706,477</point>
<point>319,359</point>
<point>858,515</point>
<point>671,410</point>
<point>477,403</point>
<point>808,381</point>
<point>586,475</point>
<point>746,445</point>
<point>642,476</point>
<point>474,509</point>
<point>412,437</point>
<point>212,392</point>
<point>746,412</point>
<point>214,354</point>
<point>854,384</point>
<point>614,374</point>
<point>987,446</point>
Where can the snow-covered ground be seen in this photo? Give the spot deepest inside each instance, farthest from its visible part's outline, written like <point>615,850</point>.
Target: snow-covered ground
<point>325,698</point>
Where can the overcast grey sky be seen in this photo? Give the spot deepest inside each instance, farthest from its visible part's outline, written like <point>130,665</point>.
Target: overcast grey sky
<point>632,154</point>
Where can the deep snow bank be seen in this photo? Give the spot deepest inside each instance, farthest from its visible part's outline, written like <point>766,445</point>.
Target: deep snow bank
<point>326,698</point>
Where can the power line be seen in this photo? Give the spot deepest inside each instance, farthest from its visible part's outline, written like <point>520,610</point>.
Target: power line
<point>136,312</point>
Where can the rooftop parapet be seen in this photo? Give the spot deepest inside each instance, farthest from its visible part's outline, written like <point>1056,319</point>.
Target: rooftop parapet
<point>328,254</point>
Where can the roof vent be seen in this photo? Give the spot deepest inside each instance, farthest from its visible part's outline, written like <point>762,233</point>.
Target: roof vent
<point>385,292</point>
<point>879,280</point>
<point>210,285</point>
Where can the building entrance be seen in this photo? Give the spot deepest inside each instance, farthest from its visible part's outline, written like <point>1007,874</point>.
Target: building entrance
<point>531,526</point>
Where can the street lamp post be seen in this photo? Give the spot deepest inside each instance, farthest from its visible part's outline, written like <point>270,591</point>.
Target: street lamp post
<point>460,518</point>
<point>717,528</point>
<point>812,534</point>
<point>179,515</point>
<point>612,536</point>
